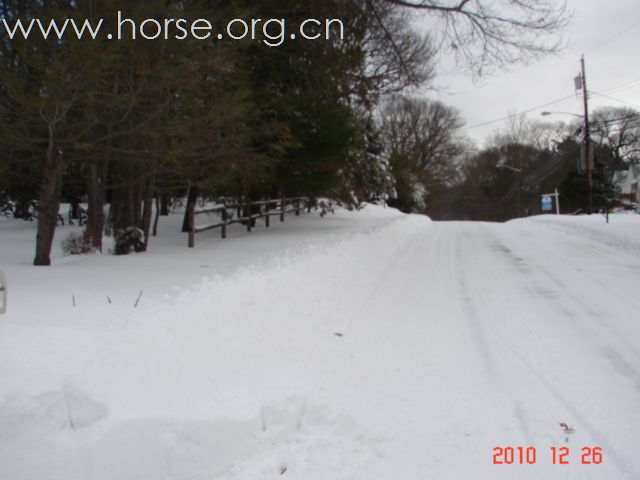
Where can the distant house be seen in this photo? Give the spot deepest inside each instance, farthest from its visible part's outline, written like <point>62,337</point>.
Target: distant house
<point>628,182</point>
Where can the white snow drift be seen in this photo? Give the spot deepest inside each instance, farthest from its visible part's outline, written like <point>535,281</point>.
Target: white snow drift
<point>369,345</point>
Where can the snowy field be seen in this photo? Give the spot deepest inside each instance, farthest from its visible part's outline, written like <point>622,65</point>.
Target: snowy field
<point>369,345</point>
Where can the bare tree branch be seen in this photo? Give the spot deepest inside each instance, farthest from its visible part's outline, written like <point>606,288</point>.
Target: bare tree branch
<point>487,36</point>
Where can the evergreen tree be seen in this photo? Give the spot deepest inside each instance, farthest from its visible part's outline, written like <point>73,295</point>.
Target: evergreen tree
<point>575,189</point>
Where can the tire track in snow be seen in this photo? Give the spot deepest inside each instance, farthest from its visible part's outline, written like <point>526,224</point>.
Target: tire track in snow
<point>476,419</point>
<point>393,263</point>
<point>580,305</point>
<point>618,363</point>
<point>491,371</point>
<point>579,302</point>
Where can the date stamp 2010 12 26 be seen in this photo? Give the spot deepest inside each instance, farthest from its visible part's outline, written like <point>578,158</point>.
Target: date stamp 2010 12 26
<point>558,455</point>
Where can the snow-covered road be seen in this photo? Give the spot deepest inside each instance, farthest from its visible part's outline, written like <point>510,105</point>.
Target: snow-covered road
<point>402,348</point>
<point>502,336</point>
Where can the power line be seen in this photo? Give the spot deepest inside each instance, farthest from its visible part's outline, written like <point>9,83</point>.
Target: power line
<point>501,119</point>
<point>539,175</point>
<point>520,113</point>
<point>624,86</point>
<point>604,42</point>
<point>631,116</point>
<point>626,89</point>
<point>615,99</point>
<point>629,87</point>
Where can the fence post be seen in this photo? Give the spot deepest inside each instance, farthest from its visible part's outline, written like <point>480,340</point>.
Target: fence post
<point>267,211</point>
<point>282,207</point>
<point>223,233</point>
<point>297,207</point>
<point>191,207</point>
<point>250,218</point>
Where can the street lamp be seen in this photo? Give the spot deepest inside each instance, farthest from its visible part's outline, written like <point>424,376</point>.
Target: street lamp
<point>545,114</point>
<point>502,165</point>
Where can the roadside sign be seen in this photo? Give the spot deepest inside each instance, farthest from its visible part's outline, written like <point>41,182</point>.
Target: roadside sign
<point>547,201</point>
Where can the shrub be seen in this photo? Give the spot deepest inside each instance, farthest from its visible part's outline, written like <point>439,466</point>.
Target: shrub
<point>74,244</point>
<point>128,239</point>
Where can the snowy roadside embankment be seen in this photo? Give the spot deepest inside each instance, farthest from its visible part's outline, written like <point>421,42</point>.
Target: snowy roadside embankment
<point>216,366</point>
<point>621,233</point>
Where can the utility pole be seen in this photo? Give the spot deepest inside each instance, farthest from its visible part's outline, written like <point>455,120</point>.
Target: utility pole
<point>587,135</point>
<point>519,194</point>
<point>520,186</point>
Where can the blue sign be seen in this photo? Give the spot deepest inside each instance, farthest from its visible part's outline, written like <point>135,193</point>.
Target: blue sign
<point>547,203</point>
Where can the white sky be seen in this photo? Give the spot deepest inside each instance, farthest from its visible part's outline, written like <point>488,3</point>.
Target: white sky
<point>608,65</point>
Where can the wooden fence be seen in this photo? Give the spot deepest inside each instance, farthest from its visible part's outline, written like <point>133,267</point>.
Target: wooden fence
<point>243,214</point>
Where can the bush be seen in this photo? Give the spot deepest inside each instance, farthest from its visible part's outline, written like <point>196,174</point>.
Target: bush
<point>128,239</point>
<point>74,244</point>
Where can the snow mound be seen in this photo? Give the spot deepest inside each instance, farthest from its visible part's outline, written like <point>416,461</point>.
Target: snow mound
<point>622,233</point>
<point>294,437</point>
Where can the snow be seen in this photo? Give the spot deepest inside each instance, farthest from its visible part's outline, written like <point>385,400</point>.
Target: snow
<point>360,345</point>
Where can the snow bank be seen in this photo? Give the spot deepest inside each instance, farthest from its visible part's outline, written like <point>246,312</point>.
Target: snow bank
<point>103,390</point>
<point>621,233</point>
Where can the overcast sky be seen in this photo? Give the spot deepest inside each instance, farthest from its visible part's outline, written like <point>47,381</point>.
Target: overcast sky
<point>614,63</point>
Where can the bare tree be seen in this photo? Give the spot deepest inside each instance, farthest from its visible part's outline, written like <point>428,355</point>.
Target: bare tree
<point>42,87</point>
<point>397,56</point>
<point>546,135</point>
<point>515,130</point>
<point>619,128</point>
<point>519,129</point>
<point>427,135</point>
<point>57,99</point>
<point>488,35</point>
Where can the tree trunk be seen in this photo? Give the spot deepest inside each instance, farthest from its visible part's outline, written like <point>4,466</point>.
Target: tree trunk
<point>155,221</point>
<point>48,202</point>
<point>96,199</point>
<point>191,199</point>
<point>135,197</point>
<point>126,197</point>
<point>164,204</point>
<point>145,221</point>
<point>74,211</point>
